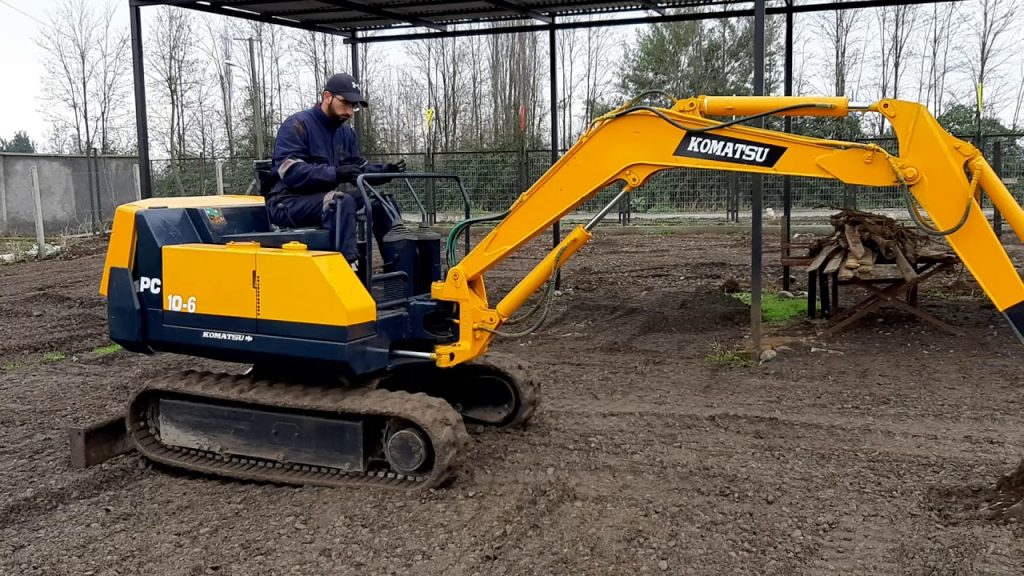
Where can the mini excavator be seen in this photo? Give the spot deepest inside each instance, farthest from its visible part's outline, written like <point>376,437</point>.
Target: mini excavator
<point>368,378</point>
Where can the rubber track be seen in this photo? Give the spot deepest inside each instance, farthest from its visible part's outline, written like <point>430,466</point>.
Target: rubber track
<point>435,417</point>
<point>520,372</point>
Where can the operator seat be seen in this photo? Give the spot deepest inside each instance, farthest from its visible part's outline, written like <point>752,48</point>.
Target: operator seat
<point>273,236</point>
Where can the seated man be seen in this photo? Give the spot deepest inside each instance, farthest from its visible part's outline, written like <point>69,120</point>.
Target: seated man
<point>317,161</point>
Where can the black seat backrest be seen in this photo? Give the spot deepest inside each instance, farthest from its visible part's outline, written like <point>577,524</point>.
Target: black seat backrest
<point>265,175</point>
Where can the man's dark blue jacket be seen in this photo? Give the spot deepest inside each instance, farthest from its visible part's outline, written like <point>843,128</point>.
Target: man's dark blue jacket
<point>309,146</point>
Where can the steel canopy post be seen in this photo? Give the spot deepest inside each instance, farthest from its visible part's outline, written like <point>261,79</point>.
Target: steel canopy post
<point>787,183</point>
<point>141,127</point>
<point>556,231</point>
<point>756,190</point>
<point>356,73</point>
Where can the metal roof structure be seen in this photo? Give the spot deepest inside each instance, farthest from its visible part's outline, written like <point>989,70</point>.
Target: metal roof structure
<point>389,20</point>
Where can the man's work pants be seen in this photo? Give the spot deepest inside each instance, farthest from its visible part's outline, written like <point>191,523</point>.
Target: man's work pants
<point>309,210</point>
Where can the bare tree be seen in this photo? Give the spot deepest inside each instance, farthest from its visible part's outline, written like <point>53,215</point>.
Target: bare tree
<point>906,24</point>
<point>399,103</point>
<point>802,77</point>
<point>989,25</point>
<point>113,65</point>
<point>837,29</point>
<point>514,74</point>
<point>86,55</point>
<point>259,81</point>
<point>319,53</point>
<point>217,48</point>
<point>1018,99</point>
<point>568,48</point>
<point>774,68</point>
<point>275,39</point>
<point>476,127</point>
<point>371,67</point>
<point>174,68</point>
<point>596,72</point>
<point>441,62</point>
<point>896,25</point>
<point>936,57</point>
<point>60,140</point>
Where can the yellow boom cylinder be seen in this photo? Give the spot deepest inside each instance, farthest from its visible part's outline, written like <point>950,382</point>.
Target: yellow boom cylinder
<point>1001,197</point>
<point>836,106</point>
<point>542,272</point>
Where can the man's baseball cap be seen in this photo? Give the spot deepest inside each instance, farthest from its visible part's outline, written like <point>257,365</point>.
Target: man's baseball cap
<point>345,85</point>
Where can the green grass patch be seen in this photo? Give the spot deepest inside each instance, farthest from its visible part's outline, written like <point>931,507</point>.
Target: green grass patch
<point>106,350</point>
<point>775,309</point>
<point>723,355</point>
<point>11,365</point>
<point>54,356</point>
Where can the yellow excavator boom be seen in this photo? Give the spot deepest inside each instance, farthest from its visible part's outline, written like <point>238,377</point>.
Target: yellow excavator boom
<point>630,144</point>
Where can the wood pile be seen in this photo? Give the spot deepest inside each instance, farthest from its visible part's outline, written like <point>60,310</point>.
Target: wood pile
<point>862,239</point>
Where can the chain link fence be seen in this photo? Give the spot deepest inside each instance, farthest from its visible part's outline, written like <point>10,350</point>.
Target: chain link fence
<point>493,180</point>
<point>199,176</point>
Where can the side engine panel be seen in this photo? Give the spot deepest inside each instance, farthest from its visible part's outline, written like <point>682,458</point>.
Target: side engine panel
<point>175,284</point>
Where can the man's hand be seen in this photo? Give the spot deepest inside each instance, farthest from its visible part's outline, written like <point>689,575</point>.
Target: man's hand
<point>348,173</point>
<point>395,166</point>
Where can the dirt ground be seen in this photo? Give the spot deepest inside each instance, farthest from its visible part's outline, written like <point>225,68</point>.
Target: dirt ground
<point>651,452</point>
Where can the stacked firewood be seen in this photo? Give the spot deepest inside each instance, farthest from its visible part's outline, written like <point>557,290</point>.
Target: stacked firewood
<point>862,239</point>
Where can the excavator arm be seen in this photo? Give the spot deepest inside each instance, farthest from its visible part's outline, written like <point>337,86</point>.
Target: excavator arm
<point>632,143</point>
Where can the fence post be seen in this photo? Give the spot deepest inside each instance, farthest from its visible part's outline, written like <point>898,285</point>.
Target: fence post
<point>428,160</point>
<point>849,196</point>
<point>997,165</point>
<point>219,167</point>
<point>40,238</point>
<point>733,209</point>
<point>523,174</point>
<point>92,193</point>
<point>3,196</point>
<point>138,182</point>
<point>787,215</point>
<point>94,170</point>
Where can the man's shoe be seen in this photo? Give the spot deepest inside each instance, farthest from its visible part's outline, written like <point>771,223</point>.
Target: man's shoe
<point>355,265</point>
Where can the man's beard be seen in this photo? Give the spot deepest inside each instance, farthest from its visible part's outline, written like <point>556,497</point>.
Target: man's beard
<point>337,116</point>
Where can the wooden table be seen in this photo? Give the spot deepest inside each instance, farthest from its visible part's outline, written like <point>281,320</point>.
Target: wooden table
<point>895,290</point>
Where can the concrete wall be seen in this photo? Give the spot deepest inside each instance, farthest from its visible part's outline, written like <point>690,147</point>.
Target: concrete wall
<point>65,192</point>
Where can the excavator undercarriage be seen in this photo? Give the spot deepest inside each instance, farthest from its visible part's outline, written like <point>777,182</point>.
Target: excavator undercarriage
<point>403,431</point>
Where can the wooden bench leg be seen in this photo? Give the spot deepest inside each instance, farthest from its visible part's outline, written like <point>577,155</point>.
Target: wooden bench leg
<point>826,308</point>
<point>890,295</point>
<point>853,318</point>
<point>812,294</point>
<point>835,292</point>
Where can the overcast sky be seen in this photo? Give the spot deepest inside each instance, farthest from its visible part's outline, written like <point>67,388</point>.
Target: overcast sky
<point>22,99</point>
